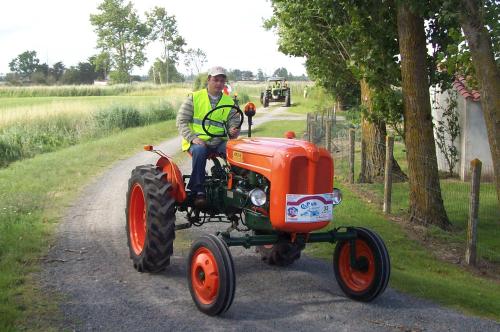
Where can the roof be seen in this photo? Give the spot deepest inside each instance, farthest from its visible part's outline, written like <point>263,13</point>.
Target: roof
<point>460,85</point>
<point>276,79</point>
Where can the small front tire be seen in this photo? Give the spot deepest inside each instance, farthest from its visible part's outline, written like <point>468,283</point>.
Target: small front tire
<point>211,276</point>
<point>368,280</point>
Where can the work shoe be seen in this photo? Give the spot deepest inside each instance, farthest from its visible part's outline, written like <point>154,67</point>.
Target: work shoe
<point>200,200</point>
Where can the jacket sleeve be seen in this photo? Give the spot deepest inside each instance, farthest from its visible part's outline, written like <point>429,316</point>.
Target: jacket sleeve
<point>234,119</point>
<point>184,118</point>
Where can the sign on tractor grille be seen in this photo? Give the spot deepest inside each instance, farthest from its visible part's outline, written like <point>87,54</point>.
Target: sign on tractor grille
<point>309,208</point>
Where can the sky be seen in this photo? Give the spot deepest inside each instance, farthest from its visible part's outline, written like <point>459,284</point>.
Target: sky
<point>230,32</point>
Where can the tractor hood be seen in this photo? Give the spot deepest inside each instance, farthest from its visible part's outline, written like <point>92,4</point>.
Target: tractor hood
<point>292,166</point>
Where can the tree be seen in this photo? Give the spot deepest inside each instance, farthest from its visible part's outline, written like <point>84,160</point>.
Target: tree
<point>57,70</point>
<point>120,31</point>
<point>260,75</point>
<point>25,64</point>
<point>346,45</point>
<point>486,69</point>
<point>195,59</point>
<point>158,72</point>
<point>281,72</point>
<point>426,203</point>
<point>164,27</point>
<point>102,64</point>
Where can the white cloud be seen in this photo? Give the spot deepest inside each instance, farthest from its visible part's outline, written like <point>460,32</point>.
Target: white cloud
<point>230,32</point>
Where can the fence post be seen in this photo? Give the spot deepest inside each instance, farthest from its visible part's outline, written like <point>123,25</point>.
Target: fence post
<point>308,127</point>
<point>328,135</point>
<point>470,252</point>
<point>352,143</point>
<point>389,148</point>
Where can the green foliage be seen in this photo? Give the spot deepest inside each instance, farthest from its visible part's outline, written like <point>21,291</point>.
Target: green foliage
<point>120,32</point>
<point>387,105</point>
<point>161,73</point>
<point>164,28</point>
<point>25,64</point>
<point>200,81</point>
<point>195,59</point>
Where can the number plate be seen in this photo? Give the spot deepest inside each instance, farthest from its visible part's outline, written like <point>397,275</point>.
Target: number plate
<point>309,208</point>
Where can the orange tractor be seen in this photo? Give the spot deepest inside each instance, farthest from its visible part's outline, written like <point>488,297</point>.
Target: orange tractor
<point>276,193</point>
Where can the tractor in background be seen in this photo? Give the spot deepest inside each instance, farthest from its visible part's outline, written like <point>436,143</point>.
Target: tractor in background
<point>277,90</point>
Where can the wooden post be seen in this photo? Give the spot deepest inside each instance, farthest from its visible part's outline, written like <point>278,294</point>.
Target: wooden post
<point>328,136</point>
<point>308,127</point>
<point>352,143</point>
<point>470,252</point>
<point>389,141</point>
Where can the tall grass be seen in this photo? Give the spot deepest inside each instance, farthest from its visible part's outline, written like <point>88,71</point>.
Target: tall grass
<point>30,138</point>
<point>85,90</point>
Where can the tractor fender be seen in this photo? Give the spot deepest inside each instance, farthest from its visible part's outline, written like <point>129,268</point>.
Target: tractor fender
<point>174,176</point>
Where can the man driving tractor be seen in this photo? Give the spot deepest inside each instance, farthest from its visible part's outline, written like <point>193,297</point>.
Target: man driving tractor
<point>194,139</point>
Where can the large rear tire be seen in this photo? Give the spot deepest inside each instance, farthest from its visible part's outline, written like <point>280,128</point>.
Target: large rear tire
<point>266,101</point>
<point>288,101</point>
<point>211,276</point>
<point>150,214</point>
<point>369,279</point>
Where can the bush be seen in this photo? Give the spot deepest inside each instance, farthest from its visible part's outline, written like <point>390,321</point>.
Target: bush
<point>118,117</point>
<point>200,81</point>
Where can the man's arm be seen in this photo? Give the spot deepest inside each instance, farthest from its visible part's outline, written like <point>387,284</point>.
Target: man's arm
<point>184,118</point>
<point>234,121</point>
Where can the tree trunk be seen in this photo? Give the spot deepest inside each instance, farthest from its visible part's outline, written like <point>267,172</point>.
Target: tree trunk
<point>373,145</point>
<point>426,203</point>
<point>488,76</point>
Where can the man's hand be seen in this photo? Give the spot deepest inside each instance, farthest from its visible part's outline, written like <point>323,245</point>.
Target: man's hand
<point>198,141</point>
<point>234,132</point>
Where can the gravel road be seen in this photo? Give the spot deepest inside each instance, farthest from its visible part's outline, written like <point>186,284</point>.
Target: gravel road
<point>89,265</point>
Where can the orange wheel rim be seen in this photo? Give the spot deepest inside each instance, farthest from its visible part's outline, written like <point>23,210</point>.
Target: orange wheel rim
<point>137,219</point>
<point>357,280</point>
<point>204,275</point>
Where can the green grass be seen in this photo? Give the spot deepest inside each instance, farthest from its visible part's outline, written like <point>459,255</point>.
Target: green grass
<point>278,129</point>
<point>33,195</point>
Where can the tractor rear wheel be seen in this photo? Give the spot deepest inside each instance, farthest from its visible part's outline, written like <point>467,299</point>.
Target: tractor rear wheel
<point>150,214</point>
<point>262,98</point>
<point>211,276</point>
<point>369,278</point>
<point>266,100</point>
<point>282,253</point>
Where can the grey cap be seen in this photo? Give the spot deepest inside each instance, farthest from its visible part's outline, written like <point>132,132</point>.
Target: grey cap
<point>217,70</point>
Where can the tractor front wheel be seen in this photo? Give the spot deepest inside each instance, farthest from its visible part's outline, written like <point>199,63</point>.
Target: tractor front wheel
<point>368,277</point>
<point>211,276</point>
<point>150,214</point>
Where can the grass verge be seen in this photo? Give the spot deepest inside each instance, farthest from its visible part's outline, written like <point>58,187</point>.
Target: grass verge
<point>33,194</point>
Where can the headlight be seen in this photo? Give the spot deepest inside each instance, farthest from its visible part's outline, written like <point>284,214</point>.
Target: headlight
<point>258,197</point>
<point>337,196</point>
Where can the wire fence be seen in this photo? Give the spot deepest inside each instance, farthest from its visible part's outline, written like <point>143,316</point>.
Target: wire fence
<point>368,175</point>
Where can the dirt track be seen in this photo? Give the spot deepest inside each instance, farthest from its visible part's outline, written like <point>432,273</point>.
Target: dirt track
<point>90,266</point>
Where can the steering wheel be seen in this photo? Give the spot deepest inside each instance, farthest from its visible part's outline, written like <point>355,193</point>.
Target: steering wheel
<point>207,121</point>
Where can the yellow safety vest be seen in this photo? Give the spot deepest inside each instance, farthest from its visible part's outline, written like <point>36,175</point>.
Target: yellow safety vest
<point>201,106</point>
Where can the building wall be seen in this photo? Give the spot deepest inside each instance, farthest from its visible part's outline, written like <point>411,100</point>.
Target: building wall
<point>473,140</point>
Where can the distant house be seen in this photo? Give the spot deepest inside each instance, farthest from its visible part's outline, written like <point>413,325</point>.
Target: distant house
<point>472,142</point>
